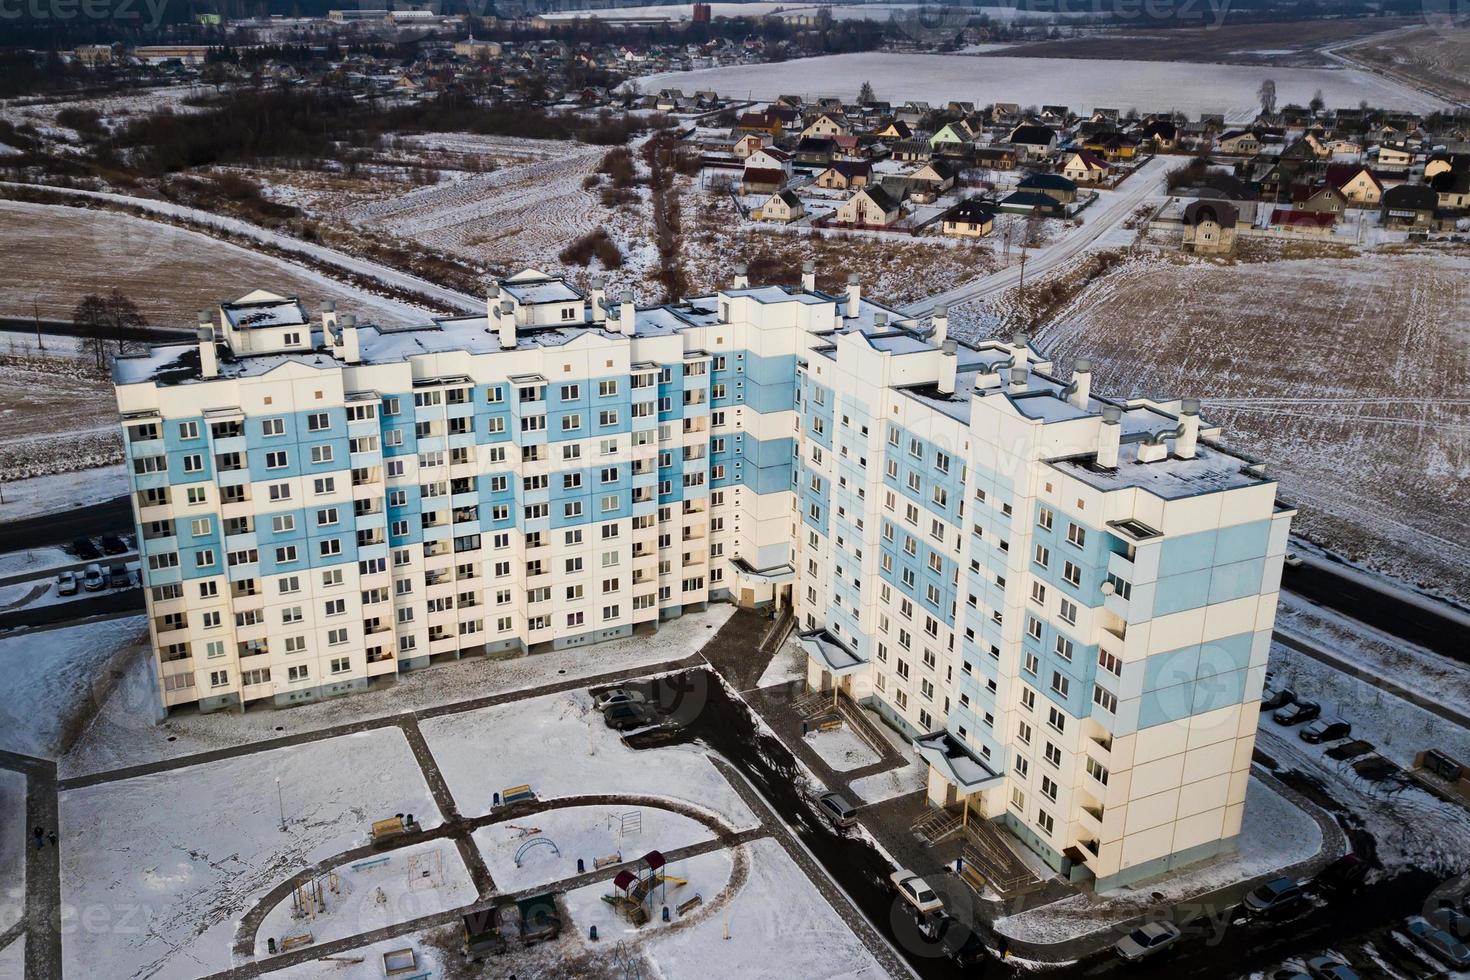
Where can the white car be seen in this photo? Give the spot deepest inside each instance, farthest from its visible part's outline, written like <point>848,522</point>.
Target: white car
<point>66,583</point>
<point>916,891</point>
<point>1147,940</point>
<point>93,580</point>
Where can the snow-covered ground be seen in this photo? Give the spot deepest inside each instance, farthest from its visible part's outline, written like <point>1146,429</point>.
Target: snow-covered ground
<point>788,664</point>
<point>55,677</point>
<point>559,745</point>
<point>62,492</point>
<point>372,893</point>
<point>1275,834</point>
<point>582,832</point>
<point>34,561</point>
<point>124,735</point>
<point>13,843</point>
<point>842,748</point>
<point>1079,83</point>
<point>13,959</point>
<point>707,875</point>
<point>366,963</point>
<point>156,869</point>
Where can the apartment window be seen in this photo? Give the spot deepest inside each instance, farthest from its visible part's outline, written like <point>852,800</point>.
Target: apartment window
<point>1056,719</point>
<point>324,485</point>
<point>219,678</point>
<point>1097,770</point>
<point>337,637</point>
<point>1023,733</point>
<point>1022,766</point>
<point>1064,648</point>
<point>1068,612</point>
<point>1076,535</point>
<point>1110,663</point>
<point>295,644</point>
<point>1042,556</point>
<point>1038,596</point>
<point>1060,683</point>
<point>321,454</point>
<point>340,665</point>
<point>298,672</point>
<point>570,393</point>
<point>1033,627</point>
<point>286,554</point>
<point>1072,573</point>
<point>273,427</point>
<point>1044,518</point>
<point>1053,754</point>
<point>1045,822</point>
<point>1105,699</point>
<point>193,463</point>
<point>318,422</point>
<point>571,422</point>
<point>607,389</point>
<point>330,547</point>
<point>1049,788</point>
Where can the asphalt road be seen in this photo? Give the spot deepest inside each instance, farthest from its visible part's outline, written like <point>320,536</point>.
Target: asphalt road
<point>110,517</point>
<point>119,602</point>
<point>1413,622</point>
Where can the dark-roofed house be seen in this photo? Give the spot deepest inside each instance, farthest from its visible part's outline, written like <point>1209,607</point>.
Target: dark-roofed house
<point>870,206</point>
<point>1453,188</point>
<point>846,175</point>
<point>762,180</point>
<point>1162,133</point>
<point>1061,189</point>
<point>1209,227</point>
<point>782,206</point>
<point>1035,141</point>
<point>934,177</point>
<point>1358,184</point>
<point>1409,206</point>
<point>972,218</point>
<point>1033,202</point>
<point>815,151</point>
<point>1238,142</point>
<point>912,150</point>
<point>1085,167</point>
<point>896,129</point>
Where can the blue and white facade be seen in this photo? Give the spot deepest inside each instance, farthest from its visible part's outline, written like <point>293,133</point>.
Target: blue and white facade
<point>1065,601</point>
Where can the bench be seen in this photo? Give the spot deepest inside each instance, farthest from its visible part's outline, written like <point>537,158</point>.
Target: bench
<point>608,861</point>
<point>972,876</point>
<point>371,863</point>
<point>830,725</point>
<point>297,941</point>
<point>692,903</point>
<point>516,794</point>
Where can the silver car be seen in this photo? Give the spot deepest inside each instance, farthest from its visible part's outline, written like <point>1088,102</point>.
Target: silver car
<point>1440,943</point>
<point>1147,940</point>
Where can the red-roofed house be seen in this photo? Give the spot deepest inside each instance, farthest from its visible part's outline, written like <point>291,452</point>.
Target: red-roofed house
<point>1085,167</point>
<point>1313,223</point>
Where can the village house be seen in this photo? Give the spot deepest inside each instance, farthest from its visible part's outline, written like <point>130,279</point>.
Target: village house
<point>846,175</point>
<point>1209,227</point>
<point>825,125</point>
<point>934,178</point>
<point>1162,133</point>
<point>815,151</point>
<point>910,151</point>
<point>1410,206</point>
<point>1309,223</point>
<point>1061,189</point>
<point>1319,199</point>
<point>1359,185</point>
<point>895,129</point>
<point>783,206</point>
<point>767,171</point>
<point>956,133</point>
<point>1085,167</point>
<point>994,157</point>
<point>1343,148</point>
<point>1394,156</point>
<point>1453,189</point>
<point>869,206</point>
<point>972,218</point>
<point>1034,142</point>
<point>1032,202</point>
<point>768,123</point>
<point>1439,163</point>
<point>748,144</point>
<point>1238,142</point>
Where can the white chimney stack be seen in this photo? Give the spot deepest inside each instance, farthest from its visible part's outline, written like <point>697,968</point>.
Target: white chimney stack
<point>742,280</point>
<point>351,350</point>
<point>880,321</point>
<point>627,314</point>
<point>506,322</point>
<point>809,276</point>
<point>1020,376</point>
<point>948,365</point>
<point>208,356</point>
<point>941,325</point>
<point>1020,349</point>
<point>854,294</point>
<point>1185,445</point>
<point>329,323</point>
<point>599,300</point>
<point>1081,382</point>
<point>988,379</point>
<point>492,303</point>
<point>1110,434</point>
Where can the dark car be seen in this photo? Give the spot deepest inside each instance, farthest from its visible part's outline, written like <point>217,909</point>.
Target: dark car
<point>1342,877</point>
<point>113,545</point>
<point>119,577</point>
<point>1275,896</point>
<point>626,715</point>
<point>84,549</point>
<point>1295,714</point>
<point>1331,968</point>
<point>1325,730</point>
<point>963,945</point>
<point>1278,697</point>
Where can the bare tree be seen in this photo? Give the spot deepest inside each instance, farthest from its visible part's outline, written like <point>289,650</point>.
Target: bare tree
<point>1267,95</point>
<point>104,319</point>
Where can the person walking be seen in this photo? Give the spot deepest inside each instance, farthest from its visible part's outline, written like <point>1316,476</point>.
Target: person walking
<point>51,836</point>
<point>40,838</point>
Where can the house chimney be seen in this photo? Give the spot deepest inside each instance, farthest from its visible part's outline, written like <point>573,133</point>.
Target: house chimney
<point>880,321</point>
<point>329,323</point>
<point>854,294</point>
<point>1020,348</point>
<point>941,325</point>
<point>1082,382</point>
<point>351,351</point>
<point>492,303</point>
<point>1109,435</point>
<point>599,300</point>
<point>742,280</point>
<point>506,322</point>
<point>1188,440</point>
<point>1020,376</point>
<point>208,356</point>
<point>988,379</point>
<point>948,364</point>
<point>627,314</point>
<point>809,276</point>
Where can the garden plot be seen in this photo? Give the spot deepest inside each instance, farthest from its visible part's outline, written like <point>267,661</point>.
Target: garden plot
<point>13,845</point>
<point>55,679</point>
<point>1361,415</point>
<point>582,832</point>
<point>124,732</point>
<point>171,860</point>
<point>559,745</point>
<point>372,893</point>
<point>1274,835</point>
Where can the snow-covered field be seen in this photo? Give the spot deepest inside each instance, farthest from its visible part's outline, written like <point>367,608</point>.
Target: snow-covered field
<point>1275,834</point>
<point>1081,84</point>
<point>13,844</point>
<point>54,678</point>
<point>482,752</point>
<point>1361,415</point>
<point>857,11</point>
<point>581,832</point>
<point>62,492</point>
<point>156,869</point>
<point>372,893</point>
<point>124,735</point>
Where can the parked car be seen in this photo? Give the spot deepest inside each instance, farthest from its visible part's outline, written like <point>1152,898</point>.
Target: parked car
<point>615,695</point>
<point>915,891</point>
<point>1292,560</point>
<point>93,580</point>
<point>66,583</point>
<point>118,576</point>
<point>1438,942</point>
<point>1147,941</point>
<point>1276,895</point>
<point>113,545</point>
<point>1278,697</point>
<point>1325,730</point>
<point>836,809</point>
<point>626,715</point>
<point>84,549</point>
<point>963,945</point>
<point>1452,921</point>
<point>1330,968</point>
<point>1295,714</point>
<point>1342,877</point>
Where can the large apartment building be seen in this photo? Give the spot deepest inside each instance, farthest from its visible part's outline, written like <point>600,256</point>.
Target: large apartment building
<point>1065,601</point>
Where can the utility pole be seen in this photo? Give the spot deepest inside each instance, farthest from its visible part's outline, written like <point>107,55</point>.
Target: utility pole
<point>281,800</point>
<point>1022,285</point>
<point>36,316</point>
